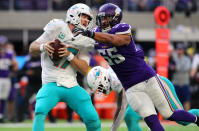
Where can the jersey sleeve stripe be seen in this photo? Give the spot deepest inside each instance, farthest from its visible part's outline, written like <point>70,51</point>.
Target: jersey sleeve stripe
<point>125,32</point>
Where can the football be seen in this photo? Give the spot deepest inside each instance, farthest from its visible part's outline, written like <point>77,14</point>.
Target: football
<point>56,45</point>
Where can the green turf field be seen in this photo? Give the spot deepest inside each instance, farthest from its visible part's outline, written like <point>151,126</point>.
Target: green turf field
<point>78,126</point>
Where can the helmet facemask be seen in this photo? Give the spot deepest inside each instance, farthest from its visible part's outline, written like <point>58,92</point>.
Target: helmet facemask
<point>104,22</point>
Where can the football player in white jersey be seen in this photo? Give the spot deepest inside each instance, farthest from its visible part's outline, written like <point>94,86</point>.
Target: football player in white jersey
<point>59,81</point>
<point>105,80</point>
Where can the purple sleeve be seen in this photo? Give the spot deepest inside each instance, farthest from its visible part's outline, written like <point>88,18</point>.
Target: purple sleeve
<point>9,55</point>
<point>121,28</point>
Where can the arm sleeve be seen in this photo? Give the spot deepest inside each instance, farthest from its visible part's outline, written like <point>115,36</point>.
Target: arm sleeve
<point>45,37</point>
<point>123,28</point>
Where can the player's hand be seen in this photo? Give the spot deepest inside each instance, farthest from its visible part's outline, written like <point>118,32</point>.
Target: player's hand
<point>30,72</point>
<point>48,48</point>
<point>84,32</point>
<point>63,51</point>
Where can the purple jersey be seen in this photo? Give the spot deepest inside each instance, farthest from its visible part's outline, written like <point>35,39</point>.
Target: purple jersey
<point>127,61</point>
<point>5,63</point>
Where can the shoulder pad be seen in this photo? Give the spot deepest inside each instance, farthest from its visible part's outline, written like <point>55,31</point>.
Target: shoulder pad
<point>122,28</point>
<point>54,25</point>
<point>59,30</point>
<point>94,29</point>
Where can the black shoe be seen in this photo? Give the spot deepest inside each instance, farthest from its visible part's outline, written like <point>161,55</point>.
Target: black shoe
<point>52,120</point>
<point>12,120</point>
<point>70,120</point>
<point>20,119</point>
<point>1,121</point>
<point>197,122</point>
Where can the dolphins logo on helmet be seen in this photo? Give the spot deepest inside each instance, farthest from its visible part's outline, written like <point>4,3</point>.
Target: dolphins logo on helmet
<point>98,79</point>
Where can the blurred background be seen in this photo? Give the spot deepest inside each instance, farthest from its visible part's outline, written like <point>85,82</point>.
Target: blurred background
<point>22,21</point>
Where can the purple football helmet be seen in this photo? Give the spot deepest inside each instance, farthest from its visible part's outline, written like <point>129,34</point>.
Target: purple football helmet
<point>108,16</point>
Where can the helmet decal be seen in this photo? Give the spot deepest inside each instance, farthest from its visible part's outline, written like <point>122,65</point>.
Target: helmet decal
<point>98,79</point>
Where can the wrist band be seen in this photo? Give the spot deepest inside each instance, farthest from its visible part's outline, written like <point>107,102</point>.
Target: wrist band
<point>92,34</point>
<point>42,48</point>
<point>70,57</point>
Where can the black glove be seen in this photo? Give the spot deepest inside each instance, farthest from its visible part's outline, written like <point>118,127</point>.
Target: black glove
<point>87,33</point>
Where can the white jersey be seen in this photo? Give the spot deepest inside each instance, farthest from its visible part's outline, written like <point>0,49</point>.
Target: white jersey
<point>116,85</point>
<point>64,74</point>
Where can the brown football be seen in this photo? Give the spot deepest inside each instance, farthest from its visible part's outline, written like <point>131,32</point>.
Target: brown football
<point>56,45</point>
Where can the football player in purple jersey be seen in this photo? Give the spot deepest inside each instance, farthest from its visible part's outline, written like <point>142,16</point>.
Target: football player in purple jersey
<point>144,90</point>
<point>7,60</point>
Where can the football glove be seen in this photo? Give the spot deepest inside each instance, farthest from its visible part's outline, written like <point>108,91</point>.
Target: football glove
<point>84,32</point>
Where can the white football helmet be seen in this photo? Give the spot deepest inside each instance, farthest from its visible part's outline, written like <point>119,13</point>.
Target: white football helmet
<point>73,15</point>
<point>98,79</point>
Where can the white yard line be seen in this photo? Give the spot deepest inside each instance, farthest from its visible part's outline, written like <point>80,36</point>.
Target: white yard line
<point>58,125</point>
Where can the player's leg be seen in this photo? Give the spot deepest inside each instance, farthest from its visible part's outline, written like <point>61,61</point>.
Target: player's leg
<point>170,90</point>
<point>25,102</point>
<point>131,119</point>
<point>141,103</point>
<point>174,99</point>
<point>46,99</point>
<point>194,111</point>
<point>163,104</point>
<point>79,100</point>
<point>5,85</point>
<point>11,106</point>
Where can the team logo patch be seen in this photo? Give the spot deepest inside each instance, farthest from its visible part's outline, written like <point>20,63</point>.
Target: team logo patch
<point>61,35</point>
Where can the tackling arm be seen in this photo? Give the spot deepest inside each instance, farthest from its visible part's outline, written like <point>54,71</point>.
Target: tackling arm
<point>116,40</point>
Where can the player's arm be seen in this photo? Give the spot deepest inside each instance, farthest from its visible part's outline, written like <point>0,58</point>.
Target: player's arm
<point>194,67</point>
<point>121,101</point>
<point>120,111</point>
<point>15,64</point>
<point>80,63</point>
<point>116,40</point>
<point>42,44</point>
